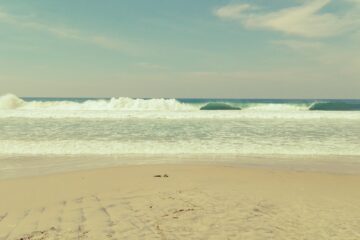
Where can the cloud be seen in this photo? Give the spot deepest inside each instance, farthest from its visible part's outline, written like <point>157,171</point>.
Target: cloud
<point>65,32</point>
<point>306,20</point>
<point>232,11</point>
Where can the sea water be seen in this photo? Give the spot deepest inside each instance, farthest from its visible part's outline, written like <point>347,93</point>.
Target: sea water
<point>166,130</point>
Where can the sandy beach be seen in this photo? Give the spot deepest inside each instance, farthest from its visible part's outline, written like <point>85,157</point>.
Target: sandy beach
<point>193,202</point>
<point>180,120</point>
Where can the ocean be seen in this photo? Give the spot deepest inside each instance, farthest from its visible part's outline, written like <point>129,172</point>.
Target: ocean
<point>127,130</point>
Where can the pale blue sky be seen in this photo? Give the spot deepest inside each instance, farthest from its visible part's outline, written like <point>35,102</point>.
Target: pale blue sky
<point>181,48</point>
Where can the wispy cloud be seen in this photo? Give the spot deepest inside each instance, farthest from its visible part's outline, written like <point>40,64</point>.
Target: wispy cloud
<point>306,20</point>
<point>65,32</point>
<point>232,11</point>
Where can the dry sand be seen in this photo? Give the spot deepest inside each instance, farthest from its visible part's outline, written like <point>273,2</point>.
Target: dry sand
<point>194,202</point>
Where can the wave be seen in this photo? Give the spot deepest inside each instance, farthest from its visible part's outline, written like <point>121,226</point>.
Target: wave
<point>276,107</point>
<point>219,106</point>
<point>335,106</point>
<point>12,106</point>
<point>11,101</point>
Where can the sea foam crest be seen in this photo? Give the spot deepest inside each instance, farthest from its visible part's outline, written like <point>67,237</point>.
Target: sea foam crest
<point>11,101</point>
<point>277,107</point>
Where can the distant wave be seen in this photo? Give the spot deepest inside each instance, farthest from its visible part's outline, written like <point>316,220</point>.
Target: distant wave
<point>219,106</point>
<point>335,106</point>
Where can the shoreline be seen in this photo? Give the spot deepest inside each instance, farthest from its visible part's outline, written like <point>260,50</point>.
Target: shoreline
<point>28,166</point>
<point>194,201</point>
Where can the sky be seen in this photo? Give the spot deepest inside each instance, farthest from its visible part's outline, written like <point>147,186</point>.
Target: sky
<point>180,48</point>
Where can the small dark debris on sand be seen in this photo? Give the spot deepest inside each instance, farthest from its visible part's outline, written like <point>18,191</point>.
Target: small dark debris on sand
<point>184,210</point>
<point>159,176</point>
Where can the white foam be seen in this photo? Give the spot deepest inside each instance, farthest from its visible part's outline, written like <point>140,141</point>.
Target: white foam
<point>193,147</point>
<point>119,108</point>
<point>10,101</point>
<point>115,104</point>
<point>276,107</point>
<point>188,114</point>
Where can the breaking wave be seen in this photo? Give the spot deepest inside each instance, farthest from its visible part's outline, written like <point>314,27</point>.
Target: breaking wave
<point>12,106</point>
<point>11,101</point>
<point>277,107</point>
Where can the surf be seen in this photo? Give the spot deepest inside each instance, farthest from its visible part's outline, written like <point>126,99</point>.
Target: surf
<point>12,106</point>
<point>10,101</point>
